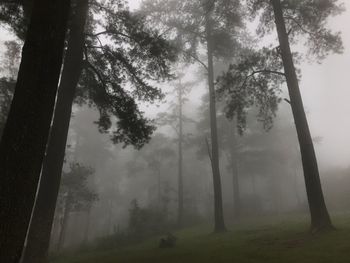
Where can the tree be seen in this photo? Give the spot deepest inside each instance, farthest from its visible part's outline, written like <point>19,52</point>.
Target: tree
<point>320,219</point>
<point>212,25</point>
<point>25,135</point>
<point>156,155</point>
<point>7,87</point>
<point>44,209</point>
<point>176,120</point>
<point>95,73</point>
<point>292,19</point>
<point>74,195</point>
<point>11,60</point>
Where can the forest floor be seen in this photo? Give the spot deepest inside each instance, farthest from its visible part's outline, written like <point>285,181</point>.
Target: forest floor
<point>283,241</point>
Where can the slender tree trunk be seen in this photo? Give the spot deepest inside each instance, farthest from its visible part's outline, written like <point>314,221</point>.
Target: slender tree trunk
<point>159,190</point>
<point>180,176</point>
<point>255,196</point>
<point>296,190</point>
<point>320,219</point>
<point>218,207</point>
<point>87,226</point>
<point>109,222</point>
<point>235,176</point>
<point>25,136</point>
<point>44,210</point>
<point>64,224</point>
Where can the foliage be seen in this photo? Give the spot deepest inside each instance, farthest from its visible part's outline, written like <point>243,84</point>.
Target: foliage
<point>184,22</point>
<point>158,153</point>
<point>256,78</point>
<point>9,68</point>
<point>145,221</point>
<point>303,18</point>
<point>120,60</point>
<point>123,58</point>
<point>74,188</point>
<point>253,80</point>
<point>7,87</point>
<point>14,14</point>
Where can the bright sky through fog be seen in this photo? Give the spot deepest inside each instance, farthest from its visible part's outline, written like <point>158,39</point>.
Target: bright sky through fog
<point>326,94</point>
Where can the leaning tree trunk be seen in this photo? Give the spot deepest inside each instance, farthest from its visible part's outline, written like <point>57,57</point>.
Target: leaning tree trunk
<point>180,176</point>
<point>40,228</point>
<point>218,207</point>
<point>320,219</point>
<point>25,136</point>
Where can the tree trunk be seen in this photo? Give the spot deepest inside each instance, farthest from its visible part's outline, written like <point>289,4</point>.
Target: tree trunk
<point>235,179</point>
<point>218,207</point>
<point>25,136</point>
<point>159,189</point>
<point>64,224</point>
<point>320,219</point>
<point>109,219</point>
<point>87,226</point>
<point>44,210</point>
<point>180,176</point>
<point>296,190</point>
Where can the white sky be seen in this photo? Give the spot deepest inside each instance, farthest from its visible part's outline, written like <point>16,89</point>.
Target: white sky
<point>326,93</point>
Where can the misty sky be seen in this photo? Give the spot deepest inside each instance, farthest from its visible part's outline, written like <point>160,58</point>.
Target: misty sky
<point>326,94</point>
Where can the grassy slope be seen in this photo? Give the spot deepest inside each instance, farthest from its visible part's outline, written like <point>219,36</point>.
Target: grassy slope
<point>282,242</point>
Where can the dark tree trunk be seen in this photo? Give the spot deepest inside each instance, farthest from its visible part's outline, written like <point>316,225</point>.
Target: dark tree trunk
<point>320,219</point>
<point>180,176</point>
<point>218,207</point>
<point>25,136</point>
<point>44,210</point>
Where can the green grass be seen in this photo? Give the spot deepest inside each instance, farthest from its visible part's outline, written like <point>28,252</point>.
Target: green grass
<point>283,242</point>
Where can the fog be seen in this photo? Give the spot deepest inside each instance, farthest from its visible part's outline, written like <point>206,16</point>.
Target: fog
<point>114,195</point>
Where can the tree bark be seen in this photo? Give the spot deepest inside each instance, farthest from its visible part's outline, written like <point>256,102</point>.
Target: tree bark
<point>180,176</point>
<point>320,219</point>
<point>25,136</point>
<point>44,210</point>
<point>218,207</point>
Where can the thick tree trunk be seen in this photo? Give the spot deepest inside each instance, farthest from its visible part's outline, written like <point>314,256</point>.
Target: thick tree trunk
<point>44,210</point>
<point>180,176</point>
<point>320,219</point>
<point>218,207</point>
<point>25,136</point>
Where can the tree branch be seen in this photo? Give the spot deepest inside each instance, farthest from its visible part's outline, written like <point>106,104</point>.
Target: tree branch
<point>196,59</point>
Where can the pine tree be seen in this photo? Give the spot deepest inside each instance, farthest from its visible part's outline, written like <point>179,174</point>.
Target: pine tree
<point>25,135</point>
<point>261,73</point>
<point>212,25</point>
